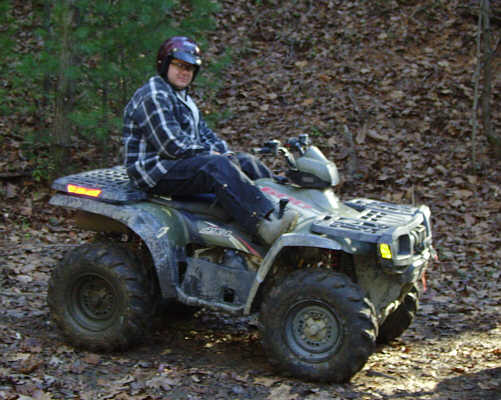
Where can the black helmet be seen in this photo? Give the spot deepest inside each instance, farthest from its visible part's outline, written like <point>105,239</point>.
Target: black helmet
<point>181,48</point>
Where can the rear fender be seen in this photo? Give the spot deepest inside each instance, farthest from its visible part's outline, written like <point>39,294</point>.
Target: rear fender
<point>160,228</point>
<point>287,240</point>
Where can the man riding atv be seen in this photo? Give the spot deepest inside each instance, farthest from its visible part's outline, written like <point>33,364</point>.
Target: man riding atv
<point>170,150</point>
<point>325,290</point>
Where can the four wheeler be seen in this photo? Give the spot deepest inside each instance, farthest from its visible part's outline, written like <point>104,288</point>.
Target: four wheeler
<point>345,277</point>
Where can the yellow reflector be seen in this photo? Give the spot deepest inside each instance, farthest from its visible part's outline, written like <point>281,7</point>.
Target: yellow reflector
<point>83,190</point>
<point>385,251</point>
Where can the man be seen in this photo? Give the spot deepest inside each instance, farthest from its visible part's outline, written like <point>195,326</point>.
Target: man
<point>170,150</point>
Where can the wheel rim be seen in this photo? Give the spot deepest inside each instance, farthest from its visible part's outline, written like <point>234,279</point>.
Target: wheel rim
<point>93,302</point>
<point>312,330</point>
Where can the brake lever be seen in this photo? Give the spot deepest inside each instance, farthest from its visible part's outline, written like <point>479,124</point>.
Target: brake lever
<point>288,156</point>
<point>296,144</point>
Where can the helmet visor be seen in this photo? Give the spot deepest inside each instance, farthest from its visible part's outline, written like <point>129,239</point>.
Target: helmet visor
<point>187,57</point>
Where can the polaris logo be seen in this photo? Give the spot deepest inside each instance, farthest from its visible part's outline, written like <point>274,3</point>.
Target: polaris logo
<point>213,229</point>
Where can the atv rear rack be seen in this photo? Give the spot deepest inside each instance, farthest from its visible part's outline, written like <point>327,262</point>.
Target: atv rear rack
<point>109,185</point>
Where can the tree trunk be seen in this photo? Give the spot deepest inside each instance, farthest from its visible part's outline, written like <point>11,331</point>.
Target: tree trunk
<point>493,137</point>
<point>61,129</point>
<point>476,80</point>
<point>47,85</point>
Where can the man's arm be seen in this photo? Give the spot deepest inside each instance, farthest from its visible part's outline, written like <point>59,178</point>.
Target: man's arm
<point>210,139</point>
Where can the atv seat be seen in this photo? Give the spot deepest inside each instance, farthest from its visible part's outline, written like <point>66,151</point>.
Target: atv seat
<point>205,204</point>
<point>112,185</point>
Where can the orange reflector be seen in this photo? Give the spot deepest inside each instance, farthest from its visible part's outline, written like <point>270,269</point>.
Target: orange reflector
<point>83,190</point>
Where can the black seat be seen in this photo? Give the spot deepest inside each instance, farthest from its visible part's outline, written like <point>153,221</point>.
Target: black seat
<point>204,203</point>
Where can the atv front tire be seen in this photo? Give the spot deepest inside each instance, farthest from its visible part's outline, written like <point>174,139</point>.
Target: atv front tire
<point>399,320</point>
<point>318,325</point>
<point>100,297</point>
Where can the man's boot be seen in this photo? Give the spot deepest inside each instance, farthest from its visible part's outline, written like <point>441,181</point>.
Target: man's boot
<point>272,227</point>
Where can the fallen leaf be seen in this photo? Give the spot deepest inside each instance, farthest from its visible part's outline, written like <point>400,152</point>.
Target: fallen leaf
<point>264,381</point>
<point>376,136</point>
<point>282,392</point>
<point>92,358</point>
<point>397,95</point>
<point>463,193</point>
<point>301,64</point>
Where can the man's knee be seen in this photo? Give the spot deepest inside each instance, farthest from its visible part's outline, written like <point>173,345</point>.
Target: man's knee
<point>221,165</point>
<point>245,157</point>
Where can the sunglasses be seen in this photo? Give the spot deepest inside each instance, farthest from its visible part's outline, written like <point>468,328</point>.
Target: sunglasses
<point>184,66</point>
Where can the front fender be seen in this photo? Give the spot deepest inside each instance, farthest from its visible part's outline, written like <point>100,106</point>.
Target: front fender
<point>287,240</point>
<point>160,228</point>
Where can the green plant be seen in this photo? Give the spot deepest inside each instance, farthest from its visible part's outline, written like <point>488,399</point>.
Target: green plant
<point>316,132</point>
<point>91,56</point>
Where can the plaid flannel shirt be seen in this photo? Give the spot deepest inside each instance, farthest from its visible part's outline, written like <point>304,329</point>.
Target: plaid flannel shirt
<point>159,128</point>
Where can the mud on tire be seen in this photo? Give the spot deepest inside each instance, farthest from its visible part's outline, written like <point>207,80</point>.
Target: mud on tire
<point>99,296</point>
<point>318,325</point>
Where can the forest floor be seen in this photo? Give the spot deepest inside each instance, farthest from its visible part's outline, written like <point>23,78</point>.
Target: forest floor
<point>385,89</point>
<point>451,351</point>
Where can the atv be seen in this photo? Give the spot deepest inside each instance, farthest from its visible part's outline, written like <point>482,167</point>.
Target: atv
<point>346,277</point>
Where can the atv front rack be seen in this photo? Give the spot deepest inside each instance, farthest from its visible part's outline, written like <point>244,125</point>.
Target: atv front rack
<point>405,228</point>
<point>376,219</point>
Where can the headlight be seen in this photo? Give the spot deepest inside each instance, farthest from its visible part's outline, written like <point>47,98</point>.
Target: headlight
<point>385,250</point>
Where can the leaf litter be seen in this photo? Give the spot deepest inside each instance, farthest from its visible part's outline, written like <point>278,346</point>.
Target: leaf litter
<point>385,89</point>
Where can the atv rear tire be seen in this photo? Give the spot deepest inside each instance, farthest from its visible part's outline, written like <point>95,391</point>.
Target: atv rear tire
<point>399,320</point>
<point>100,297</point>
<point>318,325</point>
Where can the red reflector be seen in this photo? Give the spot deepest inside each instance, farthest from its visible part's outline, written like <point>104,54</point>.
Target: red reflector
<point>83,190</point>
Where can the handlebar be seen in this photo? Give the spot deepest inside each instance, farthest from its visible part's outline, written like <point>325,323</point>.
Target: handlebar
<point>270,147</point>
<point>274,147</point>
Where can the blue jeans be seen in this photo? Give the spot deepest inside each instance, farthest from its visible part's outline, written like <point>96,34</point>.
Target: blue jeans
<point>229,178</point>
